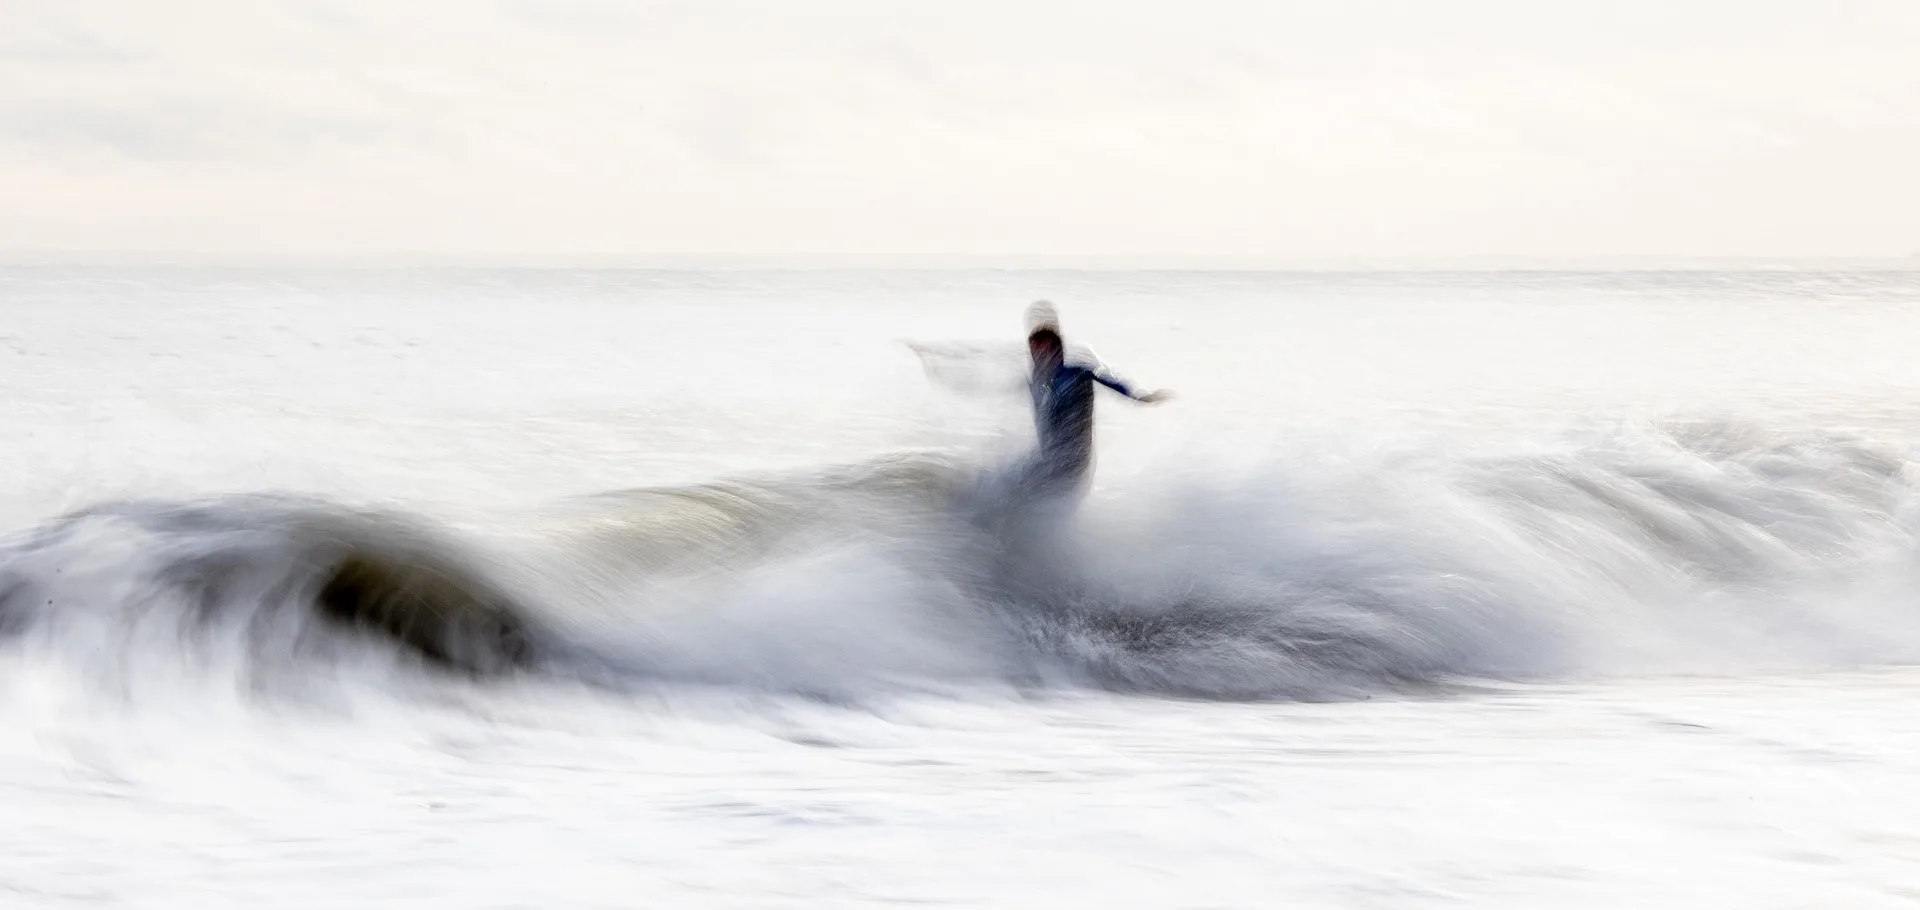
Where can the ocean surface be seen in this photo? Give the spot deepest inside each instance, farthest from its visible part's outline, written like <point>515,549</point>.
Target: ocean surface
<point>623,588</point>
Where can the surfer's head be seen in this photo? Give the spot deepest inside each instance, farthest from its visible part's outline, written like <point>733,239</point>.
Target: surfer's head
<point>1043,333</point>
<point>1041,315</point>
<point>1044,345</point>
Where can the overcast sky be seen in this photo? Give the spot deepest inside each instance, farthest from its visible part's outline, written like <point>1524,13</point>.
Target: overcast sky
<point>1263,128</point>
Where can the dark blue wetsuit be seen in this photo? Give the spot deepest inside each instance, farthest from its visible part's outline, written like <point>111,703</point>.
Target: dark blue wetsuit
<point>1063,419</point>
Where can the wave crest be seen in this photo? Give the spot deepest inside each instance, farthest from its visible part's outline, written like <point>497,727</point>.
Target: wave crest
<point>1685,547</point>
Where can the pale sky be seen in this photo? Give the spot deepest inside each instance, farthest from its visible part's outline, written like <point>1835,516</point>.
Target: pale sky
<point>1248,128</point>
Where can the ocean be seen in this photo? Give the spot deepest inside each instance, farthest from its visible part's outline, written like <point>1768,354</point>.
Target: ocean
<point>547,587</point>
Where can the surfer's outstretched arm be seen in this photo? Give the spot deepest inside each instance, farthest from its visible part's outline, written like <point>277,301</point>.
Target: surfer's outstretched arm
<point>1106,378</point>
<point>963,367</point>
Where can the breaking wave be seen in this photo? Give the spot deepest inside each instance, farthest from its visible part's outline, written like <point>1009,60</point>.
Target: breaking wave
<point>1701,547</point>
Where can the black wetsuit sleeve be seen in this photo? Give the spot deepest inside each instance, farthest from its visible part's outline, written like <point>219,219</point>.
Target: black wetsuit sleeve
<point>1106,378</point>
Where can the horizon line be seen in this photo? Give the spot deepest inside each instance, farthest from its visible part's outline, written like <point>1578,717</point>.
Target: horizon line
<point>943,262</point>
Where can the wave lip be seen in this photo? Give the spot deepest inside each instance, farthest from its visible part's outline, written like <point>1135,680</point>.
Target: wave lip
<point>267,565</point>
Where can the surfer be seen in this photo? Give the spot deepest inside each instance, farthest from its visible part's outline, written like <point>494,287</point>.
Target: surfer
<point>1061,383</point>
<point>1062,388</point>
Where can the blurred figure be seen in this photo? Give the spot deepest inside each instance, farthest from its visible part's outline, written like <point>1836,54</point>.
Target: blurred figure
<point>1062,388</point>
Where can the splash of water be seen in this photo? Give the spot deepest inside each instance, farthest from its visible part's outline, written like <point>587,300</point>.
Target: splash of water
<point>1688,548</point>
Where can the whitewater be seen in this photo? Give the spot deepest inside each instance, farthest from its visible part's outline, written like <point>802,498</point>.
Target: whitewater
<point>331,587</point>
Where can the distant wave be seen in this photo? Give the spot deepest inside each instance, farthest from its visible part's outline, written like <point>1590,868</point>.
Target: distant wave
<point>1688,547</point>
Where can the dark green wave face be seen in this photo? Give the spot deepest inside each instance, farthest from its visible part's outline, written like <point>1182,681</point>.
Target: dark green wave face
<point>452,618</point>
